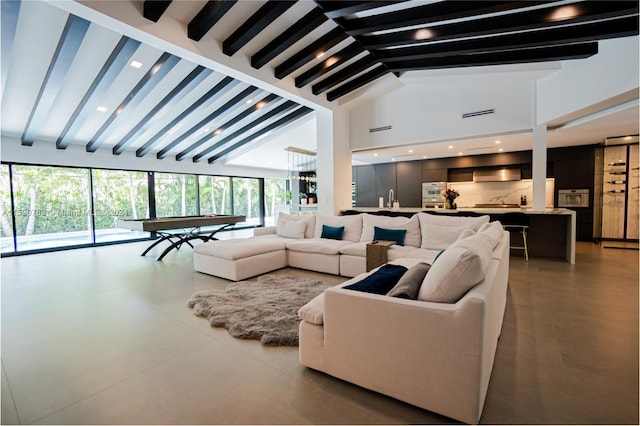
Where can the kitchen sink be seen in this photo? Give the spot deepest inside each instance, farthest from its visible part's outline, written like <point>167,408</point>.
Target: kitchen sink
<point>497,206</point>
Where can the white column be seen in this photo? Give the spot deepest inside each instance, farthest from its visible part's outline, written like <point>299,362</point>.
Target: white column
<point>334,161</point>
<point>539,166</point>
<point>539,160</point>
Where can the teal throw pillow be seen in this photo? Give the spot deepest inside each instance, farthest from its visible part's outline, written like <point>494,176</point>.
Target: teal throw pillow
<point>332,232</point>
<point>381,281</point>
<point>384,234</point>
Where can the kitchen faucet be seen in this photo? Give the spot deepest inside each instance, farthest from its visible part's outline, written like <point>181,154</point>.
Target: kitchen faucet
<point>390,198</point>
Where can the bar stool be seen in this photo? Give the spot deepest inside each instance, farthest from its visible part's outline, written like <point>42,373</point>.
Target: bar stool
<point>516,222</point>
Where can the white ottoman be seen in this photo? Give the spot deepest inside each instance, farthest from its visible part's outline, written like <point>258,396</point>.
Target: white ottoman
<point>241,258</point>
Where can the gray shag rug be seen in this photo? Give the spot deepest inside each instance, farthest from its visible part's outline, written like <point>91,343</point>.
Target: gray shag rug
<point>265,310</point>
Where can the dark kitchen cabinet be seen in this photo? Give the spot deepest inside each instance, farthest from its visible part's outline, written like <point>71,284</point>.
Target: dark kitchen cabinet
<point>409,183</point>
<point>385,180</point>
<point>366,186</point>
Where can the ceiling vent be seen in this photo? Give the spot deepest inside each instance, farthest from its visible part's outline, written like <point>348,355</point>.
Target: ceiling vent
<point>477,113</point>
<point>379,129</point>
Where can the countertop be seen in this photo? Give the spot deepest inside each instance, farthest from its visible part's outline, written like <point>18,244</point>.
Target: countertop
<point>498,210</point>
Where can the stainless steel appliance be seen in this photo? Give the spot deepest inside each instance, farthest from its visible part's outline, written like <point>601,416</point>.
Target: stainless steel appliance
<point>573,198</point>
<point>432,194</point>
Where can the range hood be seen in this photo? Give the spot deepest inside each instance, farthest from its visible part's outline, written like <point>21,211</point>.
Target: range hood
<point>496,175</point>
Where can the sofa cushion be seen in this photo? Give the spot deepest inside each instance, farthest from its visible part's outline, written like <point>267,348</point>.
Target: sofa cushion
<point>355,249</point>
<point>332,232</point>
<point>291,229</point>
<point>493,230</point>
<point>352,226</point>
<point>409,284</point>
<point>241,247</point>
<point>449,220</point>
<point>380,281</point>
<point>411,225</point>
<point>459,268</point>
<point>383,234</point>
<point>313,311</point>
<point>309,221</point>
<point>398,252</point>
<point>317,245</point>
<point>436,237</point>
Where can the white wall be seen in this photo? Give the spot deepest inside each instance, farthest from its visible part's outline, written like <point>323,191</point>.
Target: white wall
<point>432,111</point>
<point>41,153</point>
<point>334,162</point>
<point>582,83</point>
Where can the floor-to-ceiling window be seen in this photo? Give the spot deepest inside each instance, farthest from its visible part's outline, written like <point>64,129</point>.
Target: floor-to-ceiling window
<point>6,227</point>
<point>118,195</point>
<point>275,199</point>
<point>246,199</point>
<point>52,207</point>
<point>176,195</point>
<point>215,194</point>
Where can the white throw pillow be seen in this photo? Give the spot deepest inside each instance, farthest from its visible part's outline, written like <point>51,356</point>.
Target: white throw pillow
<point>309,221</point>
<point>411,225</point>
<point>450,220</point>
<point>466,233</point>
<point>494,231</point>
<point>459,268</point>
<point>291,229</point>
<point>352,226</point>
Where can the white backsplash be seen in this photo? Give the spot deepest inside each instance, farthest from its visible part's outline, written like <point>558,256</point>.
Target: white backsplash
<point>472,193</point>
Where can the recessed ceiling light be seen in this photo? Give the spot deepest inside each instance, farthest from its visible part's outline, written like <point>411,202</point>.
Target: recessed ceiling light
<point>102,109</point>
<point>206,130</point>
<point>424,156</point>
<point>564,12</point>
<point>410,151</point>
<point>627,138</point>
<point>500,150</point>
<point>375,155</point>
<point>217,132</point>
<point>393,159</point>
<point>261,104</point>
<point>320,55</point>
<point>136,64</point>
<point>450,146</point>
<point>422,34</point>
<point>332,60</point>
<point>459,153</point>
<point>497,142</point>
<point>249,101</point>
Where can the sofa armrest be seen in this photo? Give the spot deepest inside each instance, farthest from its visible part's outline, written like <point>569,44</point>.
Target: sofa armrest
<point>266,230</point>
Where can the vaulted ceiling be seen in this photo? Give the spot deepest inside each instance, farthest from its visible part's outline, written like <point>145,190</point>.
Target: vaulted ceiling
<point>67,81</point>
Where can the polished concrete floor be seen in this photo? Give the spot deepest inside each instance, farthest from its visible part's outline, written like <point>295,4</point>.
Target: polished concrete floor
<point>104,336</point>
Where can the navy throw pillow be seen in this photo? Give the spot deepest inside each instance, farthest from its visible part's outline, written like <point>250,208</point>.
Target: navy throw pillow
<point>332,232</point>
<point>381,281</point>
<point>384,234</point>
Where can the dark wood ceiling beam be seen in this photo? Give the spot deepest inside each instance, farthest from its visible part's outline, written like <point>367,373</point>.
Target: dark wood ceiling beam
<point>153,9</point>
<point>220,130</point>
<point>254,25</point>
<point>428,14</point>
<point>289,118</point>
<point>542,54</point>
<point>521,21</point>
<point>358,82</point>
<point>289,37</point>
<point>594,31</point>
<point>344,74</point>
<point>280,109</point>
<point>117,60</point>
<point>152,77</point>
<point>231,105</point>
<point>208,16</point>
<point>337,9</point>
<point>310,52</point>
<point>72,35</point>
<point>219,89</point>
<point>187,84</point>
<point>334,61</point>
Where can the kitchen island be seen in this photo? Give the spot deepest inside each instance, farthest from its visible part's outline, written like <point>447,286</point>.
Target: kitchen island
<point>552,232</point>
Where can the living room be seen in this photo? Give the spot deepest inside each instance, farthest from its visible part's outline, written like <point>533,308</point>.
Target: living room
<point>119,345</point>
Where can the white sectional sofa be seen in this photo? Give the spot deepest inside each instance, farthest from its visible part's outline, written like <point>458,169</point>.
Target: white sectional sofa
<point>436,352</point>
<point>297,241</point>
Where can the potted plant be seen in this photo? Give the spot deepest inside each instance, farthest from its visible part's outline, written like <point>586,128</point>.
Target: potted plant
<point>303,198</point>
